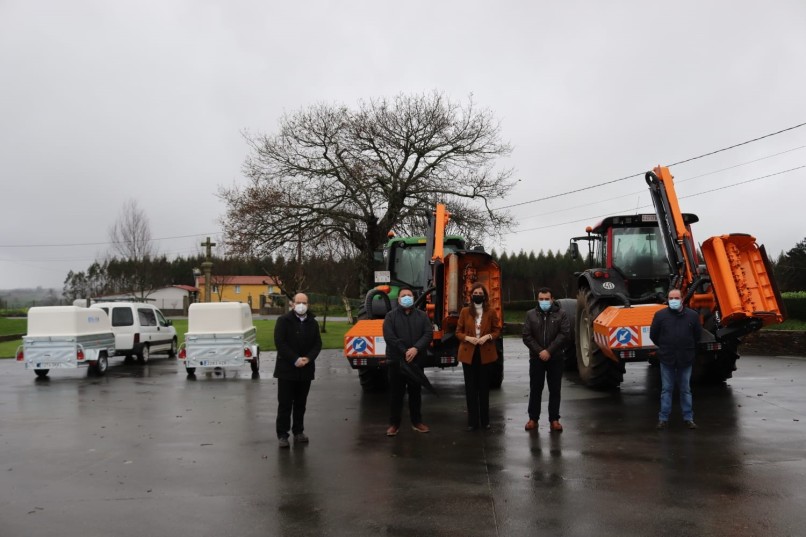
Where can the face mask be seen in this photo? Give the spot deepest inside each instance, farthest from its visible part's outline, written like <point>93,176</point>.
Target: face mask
<point>674,303</point>
<point>477,299</point>
<point>545,305</point>
<point>407,301</point>
<point>301,309</point>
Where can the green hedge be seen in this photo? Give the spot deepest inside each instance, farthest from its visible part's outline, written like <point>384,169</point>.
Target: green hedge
<point>795,306</point>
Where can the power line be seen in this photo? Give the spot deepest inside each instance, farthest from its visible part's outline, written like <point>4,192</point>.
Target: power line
<point>101,243</point>
<point>590,187</point>
<point>588,219</point>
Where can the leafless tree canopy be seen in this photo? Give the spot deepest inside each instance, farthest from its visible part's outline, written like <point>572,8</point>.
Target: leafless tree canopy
<point>338,176</point>
<point>130,235</point>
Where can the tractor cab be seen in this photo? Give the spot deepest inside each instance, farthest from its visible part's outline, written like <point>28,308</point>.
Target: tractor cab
<point>402,262</point>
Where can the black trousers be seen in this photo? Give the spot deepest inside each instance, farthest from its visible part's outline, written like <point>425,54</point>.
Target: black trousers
<point>399,384</point>
<point>539,373</point>
<point>477,391</point>
<point>292,395</point>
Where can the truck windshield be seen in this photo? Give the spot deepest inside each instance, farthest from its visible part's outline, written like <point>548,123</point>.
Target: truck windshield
<point>408,262</point>
<point>638,252</point>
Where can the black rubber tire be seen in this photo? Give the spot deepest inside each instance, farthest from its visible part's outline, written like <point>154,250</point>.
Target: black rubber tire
<point>190,370</point>
<point>255,363</point>
<point>710,370</point>
<point>144,355</point>
<point>100,367</point>
<point>172,350</point>
<point>595,369</point>
<point>373,379</point>
<point>41,373</point>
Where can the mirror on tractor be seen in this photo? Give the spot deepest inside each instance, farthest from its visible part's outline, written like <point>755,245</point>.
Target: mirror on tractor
<point>573,249</point>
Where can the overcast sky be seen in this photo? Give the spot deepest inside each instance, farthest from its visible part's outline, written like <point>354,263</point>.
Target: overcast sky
<point>105,101</point>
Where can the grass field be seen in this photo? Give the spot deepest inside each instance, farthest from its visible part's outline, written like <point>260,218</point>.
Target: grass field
<point>332,339</point>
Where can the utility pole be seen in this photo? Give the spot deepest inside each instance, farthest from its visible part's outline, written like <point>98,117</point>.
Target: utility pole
<point>207,268</point>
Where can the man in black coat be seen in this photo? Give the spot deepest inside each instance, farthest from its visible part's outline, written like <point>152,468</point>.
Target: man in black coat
<point>546,332</point>
<point>408,332</point>
<point>298,342</point>
<point>676,331</point>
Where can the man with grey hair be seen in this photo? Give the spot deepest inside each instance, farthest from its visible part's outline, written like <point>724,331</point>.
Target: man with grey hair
<point>298,342</point>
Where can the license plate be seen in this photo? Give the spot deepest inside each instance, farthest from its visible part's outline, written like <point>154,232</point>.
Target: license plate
<point>211,363</point>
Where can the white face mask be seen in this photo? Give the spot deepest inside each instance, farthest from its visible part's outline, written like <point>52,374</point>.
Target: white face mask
<point>301,309</point>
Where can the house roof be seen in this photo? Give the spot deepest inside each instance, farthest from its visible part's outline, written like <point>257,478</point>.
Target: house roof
<point>188,288</point>
<point>239,280</point>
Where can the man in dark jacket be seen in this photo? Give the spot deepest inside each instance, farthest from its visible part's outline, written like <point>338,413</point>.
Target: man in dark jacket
<point>675,330</point>
<point>546,332</point>
<point>408,332</point>
<point>298,342</point>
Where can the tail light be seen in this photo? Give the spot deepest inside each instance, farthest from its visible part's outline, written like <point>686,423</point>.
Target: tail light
<point>247,352</point>
<point>183,354</point>
<point>136,339</point>
<point>80,355</point>
<point>20,356</point>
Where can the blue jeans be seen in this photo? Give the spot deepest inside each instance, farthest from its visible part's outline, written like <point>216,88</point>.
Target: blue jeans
<point>671,375</point>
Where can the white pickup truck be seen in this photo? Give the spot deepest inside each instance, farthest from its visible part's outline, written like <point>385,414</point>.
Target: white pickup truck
<point>220,334</point>
<point>67,337</point>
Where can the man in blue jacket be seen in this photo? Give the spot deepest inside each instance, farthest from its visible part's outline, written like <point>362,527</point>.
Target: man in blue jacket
<point>298,342</point>
<point>675,331</point>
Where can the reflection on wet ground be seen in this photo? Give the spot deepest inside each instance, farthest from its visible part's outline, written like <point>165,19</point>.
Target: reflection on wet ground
<point>147,450</point>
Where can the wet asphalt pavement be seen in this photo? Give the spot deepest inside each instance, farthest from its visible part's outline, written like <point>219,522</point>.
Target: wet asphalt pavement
<point>146,452</point>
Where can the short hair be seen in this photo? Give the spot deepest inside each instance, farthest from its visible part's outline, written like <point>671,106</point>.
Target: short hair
<point>673,289</point>
<point>545,290</point>
<point>405,288</point>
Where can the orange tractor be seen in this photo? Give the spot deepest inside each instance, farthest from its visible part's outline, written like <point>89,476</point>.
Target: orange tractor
<point>636,260</point>
<point>440,271</point>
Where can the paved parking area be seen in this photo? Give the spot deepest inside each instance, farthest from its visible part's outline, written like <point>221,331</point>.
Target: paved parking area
<point>146,452</point>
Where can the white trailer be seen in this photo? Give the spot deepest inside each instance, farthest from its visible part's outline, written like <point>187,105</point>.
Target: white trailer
<point>220,334</point>
<point>67,337</point>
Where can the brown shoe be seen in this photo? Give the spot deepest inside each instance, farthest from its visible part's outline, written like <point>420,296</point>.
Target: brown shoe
<point>531,425</point>
<point>556,426</point>
<point>420,427</point>
<point>392,430</point>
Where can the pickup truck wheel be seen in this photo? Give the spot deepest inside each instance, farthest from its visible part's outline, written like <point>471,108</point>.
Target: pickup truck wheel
<point>101,365</point>
<point>41,373</point>
<point>255,364</point>
<point>172,351</point>
<point>144,354</point>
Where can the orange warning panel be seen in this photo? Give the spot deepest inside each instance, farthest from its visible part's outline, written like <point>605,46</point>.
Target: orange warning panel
<point>365,338</point>
<point>618,327</point>
<point>740,276</point>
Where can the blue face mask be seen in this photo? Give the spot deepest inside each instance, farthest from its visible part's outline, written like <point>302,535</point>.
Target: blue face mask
<point>545,305</point>
<point>674,303</point>
<point>407,301</point>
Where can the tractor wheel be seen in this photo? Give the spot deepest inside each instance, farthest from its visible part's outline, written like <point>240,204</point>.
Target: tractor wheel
<point>595,369</point>
<point>373,379</point>
<point>715,370</point>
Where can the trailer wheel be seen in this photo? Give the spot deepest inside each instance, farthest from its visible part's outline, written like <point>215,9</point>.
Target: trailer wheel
<point>190,371</point>
<point>41,373</point>
<point>595,369</point>
<point>145,354</point>
<point>172,350</point>
<point>100,366</point>
<point>255,363</point>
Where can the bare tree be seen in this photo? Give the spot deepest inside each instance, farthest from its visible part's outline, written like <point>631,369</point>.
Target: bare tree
<point>130,236</point>
<point>334,175</point>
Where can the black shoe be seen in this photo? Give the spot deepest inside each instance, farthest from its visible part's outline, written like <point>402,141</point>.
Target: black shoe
<point>691,425</point>
<point>301,438</point>
<point>283,442</point>
<point>661,425</point>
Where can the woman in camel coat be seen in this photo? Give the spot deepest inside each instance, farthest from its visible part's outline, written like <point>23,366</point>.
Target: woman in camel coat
<point>477,331</point>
